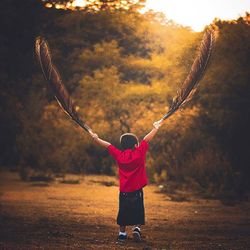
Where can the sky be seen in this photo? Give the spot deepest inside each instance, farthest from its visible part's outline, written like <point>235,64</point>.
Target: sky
<point>196,13</point>
<point>199,13</point>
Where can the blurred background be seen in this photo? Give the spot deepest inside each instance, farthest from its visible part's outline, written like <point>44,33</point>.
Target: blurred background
<point>122,62</point>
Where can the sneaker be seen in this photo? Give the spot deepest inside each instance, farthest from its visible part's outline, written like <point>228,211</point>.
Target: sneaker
<point>122,237</point>
<point>137,234</point>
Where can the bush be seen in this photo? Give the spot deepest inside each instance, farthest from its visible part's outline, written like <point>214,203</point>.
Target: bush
<point>28,174</point>
<point>210,169</point>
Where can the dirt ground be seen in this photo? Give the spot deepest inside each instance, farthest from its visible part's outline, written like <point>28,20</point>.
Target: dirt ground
<point>83,216</point>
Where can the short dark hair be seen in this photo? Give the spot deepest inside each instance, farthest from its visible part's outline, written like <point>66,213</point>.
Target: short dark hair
<point>128,141</point>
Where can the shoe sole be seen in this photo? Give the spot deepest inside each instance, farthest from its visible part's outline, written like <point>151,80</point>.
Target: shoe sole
<point>136,236</point>
<point>121,241</point>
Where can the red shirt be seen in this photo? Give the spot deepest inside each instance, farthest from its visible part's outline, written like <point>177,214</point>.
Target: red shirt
<point>132,169</point>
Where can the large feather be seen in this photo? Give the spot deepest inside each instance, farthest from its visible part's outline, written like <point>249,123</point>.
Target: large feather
<point>53,77</point>
<point>198,68</point>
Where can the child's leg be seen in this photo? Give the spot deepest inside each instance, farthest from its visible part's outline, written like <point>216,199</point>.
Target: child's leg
<point>122,234</point>
<point>123,229</point>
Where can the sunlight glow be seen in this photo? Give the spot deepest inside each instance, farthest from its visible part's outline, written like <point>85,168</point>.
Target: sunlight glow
<point>48,5</point>
<point>199,13</point>
<point>80,3</point>
<point>193,13</point>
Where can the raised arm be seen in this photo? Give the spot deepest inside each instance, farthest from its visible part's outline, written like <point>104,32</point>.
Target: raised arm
<point>99,141</point>
<point>153,132</point>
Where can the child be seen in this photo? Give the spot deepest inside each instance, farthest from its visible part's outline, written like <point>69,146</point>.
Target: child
<point>132,177</point>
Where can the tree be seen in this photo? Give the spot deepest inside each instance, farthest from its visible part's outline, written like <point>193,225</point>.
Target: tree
<point>17,38</point>
<point>98,5</point>
<point>225,98</point>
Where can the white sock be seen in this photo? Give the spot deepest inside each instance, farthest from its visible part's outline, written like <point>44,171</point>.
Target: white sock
<point>122,233</point>
<point>137,228</point>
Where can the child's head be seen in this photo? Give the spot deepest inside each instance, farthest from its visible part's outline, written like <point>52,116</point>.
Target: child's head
<point>128,141</point>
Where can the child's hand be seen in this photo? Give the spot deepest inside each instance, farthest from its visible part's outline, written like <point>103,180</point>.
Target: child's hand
<point>94,135</point>
<point>157,124</point>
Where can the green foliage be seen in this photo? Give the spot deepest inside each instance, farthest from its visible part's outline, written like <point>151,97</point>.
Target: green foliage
<point>122,69</point>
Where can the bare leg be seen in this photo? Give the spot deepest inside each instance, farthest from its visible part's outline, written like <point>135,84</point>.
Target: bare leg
<point>123,229</point>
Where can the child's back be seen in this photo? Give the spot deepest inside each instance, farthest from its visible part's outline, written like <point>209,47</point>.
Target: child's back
<point>132,169</point>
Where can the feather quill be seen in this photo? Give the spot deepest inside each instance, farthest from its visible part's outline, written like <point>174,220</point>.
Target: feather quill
<point>53,77</point>
<point>189,86</point>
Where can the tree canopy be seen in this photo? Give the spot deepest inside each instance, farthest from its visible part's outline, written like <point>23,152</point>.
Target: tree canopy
<point>123,68</point>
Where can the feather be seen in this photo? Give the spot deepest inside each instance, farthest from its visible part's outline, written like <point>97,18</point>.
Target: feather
<point>188,87</point>
<point>53,77</point>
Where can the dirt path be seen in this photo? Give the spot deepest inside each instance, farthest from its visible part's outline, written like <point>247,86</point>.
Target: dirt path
<point>83,216</point>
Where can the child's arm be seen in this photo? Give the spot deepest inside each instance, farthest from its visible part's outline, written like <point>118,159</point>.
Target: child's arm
<point>153,132</point>
<point>99,141</point>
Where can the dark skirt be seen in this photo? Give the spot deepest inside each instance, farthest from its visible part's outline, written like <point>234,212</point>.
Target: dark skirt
<point>131,208</point>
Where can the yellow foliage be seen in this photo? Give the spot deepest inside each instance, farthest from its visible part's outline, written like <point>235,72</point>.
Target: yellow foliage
<point>162,177</point>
